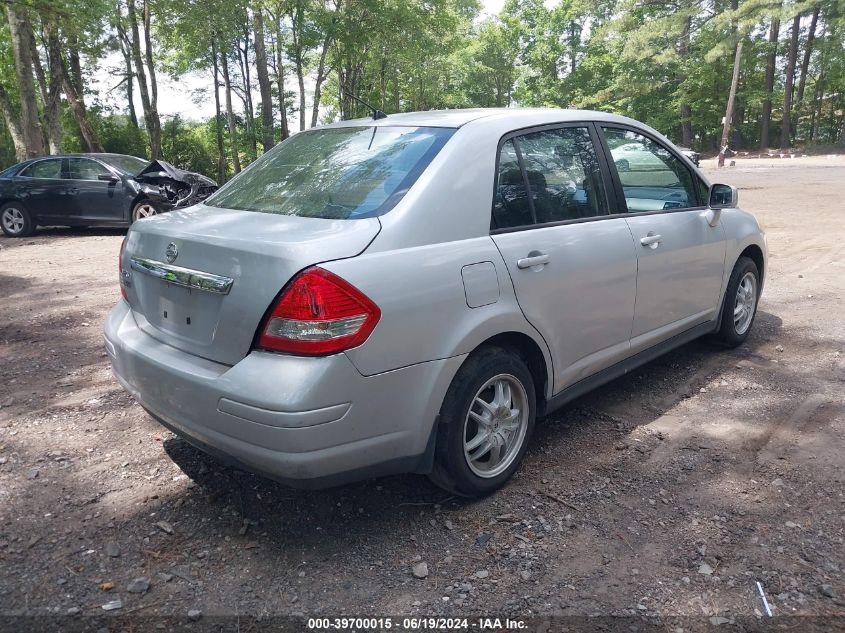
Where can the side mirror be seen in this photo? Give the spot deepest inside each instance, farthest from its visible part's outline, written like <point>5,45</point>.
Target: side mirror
<point>723,197</point>
<point>108,177</point>
<point>720,197</point>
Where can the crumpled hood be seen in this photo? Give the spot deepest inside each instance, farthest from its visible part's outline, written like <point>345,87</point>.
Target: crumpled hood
<point>162,169</point>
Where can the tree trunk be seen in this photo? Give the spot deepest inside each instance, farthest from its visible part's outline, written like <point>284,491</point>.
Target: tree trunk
<point>218,125</point>
<point>75,66</point>
<point>321,77</point>
<point>805,62</point>
<point>155,132</point>
<point>230,114</point>
<point>729,111</point>
<point>301,78</point>
<point>267,132</point>
<point>243,61</point>
<point>685,110</point>
<point>90,142</point>
<point>151,119</point>
<point>20,29</point>
<point>818,100</point>
<point>786,126</point>
<point>40,75</point>
<point>11,119</point>
<point>126,51</point>
<point>280,79</point>
<point>771,61</point>
<point>296,34</point>
<point>53,98</point>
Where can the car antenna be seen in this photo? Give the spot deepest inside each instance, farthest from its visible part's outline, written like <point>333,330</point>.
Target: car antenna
<point>377,114</point>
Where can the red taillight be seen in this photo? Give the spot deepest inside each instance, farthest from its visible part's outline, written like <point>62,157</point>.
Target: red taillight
<point>120,269</point>
<point>318,313</point>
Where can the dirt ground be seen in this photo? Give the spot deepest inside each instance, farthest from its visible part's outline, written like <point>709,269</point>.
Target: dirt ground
<point>668,493</point>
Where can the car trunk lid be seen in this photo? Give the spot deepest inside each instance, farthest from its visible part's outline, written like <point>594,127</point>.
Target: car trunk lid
<point>203,278</point>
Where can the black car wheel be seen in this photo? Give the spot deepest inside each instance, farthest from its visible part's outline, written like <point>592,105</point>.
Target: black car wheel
<point>16,220</point>
<point>143,209</point>
<point>740,303</point>
<point>485,423</point>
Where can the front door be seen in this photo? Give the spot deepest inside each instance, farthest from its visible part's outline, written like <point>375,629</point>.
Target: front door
<point>680,257</point>
<point>96,200</point>
<point>573,268</point>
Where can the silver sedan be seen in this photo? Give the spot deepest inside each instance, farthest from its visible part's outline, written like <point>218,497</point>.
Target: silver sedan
<point>410,294</point>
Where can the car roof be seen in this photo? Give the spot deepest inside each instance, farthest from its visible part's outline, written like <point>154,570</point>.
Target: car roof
<point>498,121</point>
<point>520,117</point>
<point>100,155</point>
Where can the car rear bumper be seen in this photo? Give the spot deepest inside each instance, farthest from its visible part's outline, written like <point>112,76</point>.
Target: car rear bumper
<point>310,422</point>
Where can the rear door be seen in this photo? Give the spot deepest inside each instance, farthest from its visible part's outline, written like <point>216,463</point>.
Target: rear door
<point>573,267</point>
<point>95,200</point>
<point>680,257</point>
<point>43,191</point>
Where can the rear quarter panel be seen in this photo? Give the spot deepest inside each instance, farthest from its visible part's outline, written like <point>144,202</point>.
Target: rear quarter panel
<point>425,315</point>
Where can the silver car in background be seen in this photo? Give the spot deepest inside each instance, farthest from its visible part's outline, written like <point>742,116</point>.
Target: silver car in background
<point>410,294</point>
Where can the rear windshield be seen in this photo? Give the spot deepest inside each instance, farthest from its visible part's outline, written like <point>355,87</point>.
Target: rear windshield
<point>335,173</point>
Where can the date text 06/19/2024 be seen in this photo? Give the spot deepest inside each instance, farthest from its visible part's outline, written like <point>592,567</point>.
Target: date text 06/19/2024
<point>420,623</point>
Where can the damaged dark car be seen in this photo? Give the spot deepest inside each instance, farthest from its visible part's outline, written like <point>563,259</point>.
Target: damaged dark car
<point>93,189</point>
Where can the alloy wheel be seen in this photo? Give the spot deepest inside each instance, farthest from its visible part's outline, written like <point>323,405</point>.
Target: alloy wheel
<point>144,210</point>
<point>13,220</point>
<point>745,303</point>
<point>495,426</point>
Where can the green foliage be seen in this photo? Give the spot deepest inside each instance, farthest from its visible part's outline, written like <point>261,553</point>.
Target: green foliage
<point>653,61</point>
<point>188,145</point>
<point>119,136</point>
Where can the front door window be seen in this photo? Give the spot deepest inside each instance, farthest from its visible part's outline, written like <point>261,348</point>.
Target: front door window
<point>653,179</point>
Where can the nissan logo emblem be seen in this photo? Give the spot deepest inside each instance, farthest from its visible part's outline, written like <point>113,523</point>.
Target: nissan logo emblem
<point>171,253</point>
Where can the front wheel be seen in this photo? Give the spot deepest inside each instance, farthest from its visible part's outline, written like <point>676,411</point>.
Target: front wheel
<point>740,305</point>
<point>143,209</point>
<point>16,220</point>
<point>485,423</point>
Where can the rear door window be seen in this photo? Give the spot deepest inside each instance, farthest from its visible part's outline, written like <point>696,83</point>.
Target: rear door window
<point>510,207</point>
<point>652,178</point>
<point>51,169</point>
<point>563,174</point>
<point>547,177</point>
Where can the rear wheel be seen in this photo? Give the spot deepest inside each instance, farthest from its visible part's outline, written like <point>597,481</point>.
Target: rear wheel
<point>485,423</point>
<point>143,209</point>
<point>16,220</point>
<point>740,305</point>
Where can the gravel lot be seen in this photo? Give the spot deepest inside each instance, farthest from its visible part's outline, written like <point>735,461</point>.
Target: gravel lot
<point>667,493</point>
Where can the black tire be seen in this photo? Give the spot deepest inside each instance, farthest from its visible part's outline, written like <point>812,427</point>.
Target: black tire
<point>734,330</point>
<point>141,210</point>
<point>16,220</point>
<point>452,470</point>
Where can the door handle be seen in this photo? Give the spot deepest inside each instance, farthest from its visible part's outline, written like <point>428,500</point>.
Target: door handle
<point>651,240</point>
<point>535,258</point>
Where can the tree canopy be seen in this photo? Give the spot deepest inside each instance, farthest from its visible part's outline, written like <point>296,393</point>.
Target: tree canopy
<point>273,67</point>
